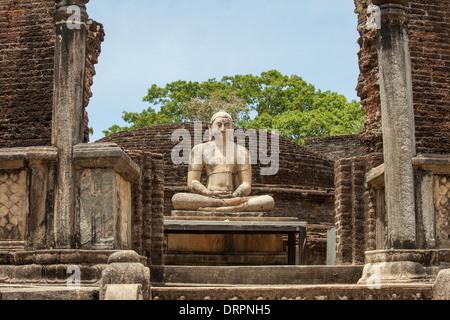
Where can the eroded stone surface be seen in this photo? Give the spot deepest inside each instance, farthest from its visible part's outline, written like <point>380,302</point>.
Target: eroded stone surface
<point>13,205</point>
<point>441,195</point>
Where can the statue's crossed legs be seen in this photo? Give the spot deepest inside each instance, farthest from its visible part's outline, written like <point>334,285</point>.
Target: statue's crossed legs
<point>197,202</point>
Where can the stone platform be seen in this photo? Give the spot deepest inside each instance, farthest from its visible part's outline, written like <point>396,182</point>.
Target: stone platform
<point>206,245</point>
<point>243,283</point>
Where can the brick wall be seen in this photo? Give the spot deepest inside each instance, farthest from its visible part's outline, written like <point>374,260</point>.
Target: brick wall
<point>298,165</point>
<point>430,62</point>
<point>354,212</point>
<point>148,206</point>
<point>430,58</point>
<point>335,147</point>
<point>26,72</point>
<point>157,211</point>
<point>27,44</point>
<point>137,204</point>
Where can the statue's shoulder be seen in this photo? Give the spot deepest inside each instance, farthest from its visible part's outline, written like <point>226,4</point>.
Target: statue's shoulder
<point>242,156</point>
<point>201,146</point>
<point>241,148</point>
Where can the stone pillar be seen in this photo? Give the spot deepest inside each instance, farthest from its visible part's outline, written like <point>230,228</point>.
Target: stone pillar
<point>397,123</point>
<point>68,115</point>
<point>407,232</point>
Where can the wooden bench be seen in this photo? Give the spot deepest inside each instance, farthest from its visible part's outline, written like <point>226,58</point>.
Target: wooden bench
<point>291,228</point>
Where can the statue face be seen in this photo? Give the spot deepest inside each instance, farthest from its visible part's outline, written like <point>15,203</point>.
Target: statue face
<point>222,124</point>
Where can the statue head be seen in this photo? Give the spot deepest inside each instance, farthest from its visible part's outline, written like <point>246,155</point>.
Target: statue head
<point>221,121</point>
<point>219,124</point>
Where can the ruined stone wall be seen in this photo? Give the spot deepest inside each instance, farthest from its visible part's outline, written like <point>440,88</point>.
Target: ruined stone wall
<point>368,88</point>
<point>27,44</point>
<point>430,61</point>
<point>95,37</point>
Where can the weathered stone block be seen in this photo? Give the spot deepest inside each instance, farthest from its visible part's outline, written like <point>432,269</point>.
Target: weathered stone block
<point>123,269</point>
<point>441,287</point>
<point>123,292</point>
<point>104,185</point>
<point>104,209</point>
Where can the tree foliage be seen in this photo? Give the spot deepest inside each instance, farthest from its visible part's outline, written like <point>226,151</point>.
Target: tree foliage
<point>203,109</point>
<point>267,101</point>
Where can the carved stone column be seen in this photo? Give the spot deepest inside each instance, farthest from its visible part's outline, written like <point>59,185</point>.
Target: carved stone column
<point>68,115</point>
<point>397,123</point>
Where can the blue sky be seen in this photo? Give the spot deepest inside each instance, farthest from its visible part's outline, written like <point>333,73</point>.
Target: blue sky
<point>159,41</point>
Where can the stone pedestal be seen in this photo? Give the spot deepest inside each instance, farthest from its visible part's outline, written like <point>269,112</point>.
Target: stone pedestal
<point>225,249</point>
<point>125,278</point>
<point>53,267</point>
<point>432,253</point>
<point>102,214</point>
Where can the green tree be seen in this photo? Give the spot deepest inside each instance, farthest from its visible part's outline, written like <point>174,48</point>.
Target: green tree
<point>276,101</point>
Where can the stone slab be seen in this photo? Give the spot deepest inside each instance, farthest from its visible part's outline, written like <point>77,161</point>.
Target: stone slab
<point>225,215</point>
<point>228,242</point>
<point>59,256</point>
<point>52,275</point>
<point>106,155</point>
<point>47,293</point>
<point>17,158</point>
<point>437,163</point>
<point>234,226</point>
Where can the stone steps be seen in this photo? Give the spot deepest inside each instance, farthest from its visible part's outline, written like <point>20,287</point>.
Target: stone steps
<point>295,292</point>
<point>255,275</point>
<point>276,283</point>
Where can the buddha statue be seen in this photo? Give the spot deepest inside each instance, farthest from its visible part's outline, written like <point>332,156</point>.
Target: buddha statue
<point>229,174</point>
